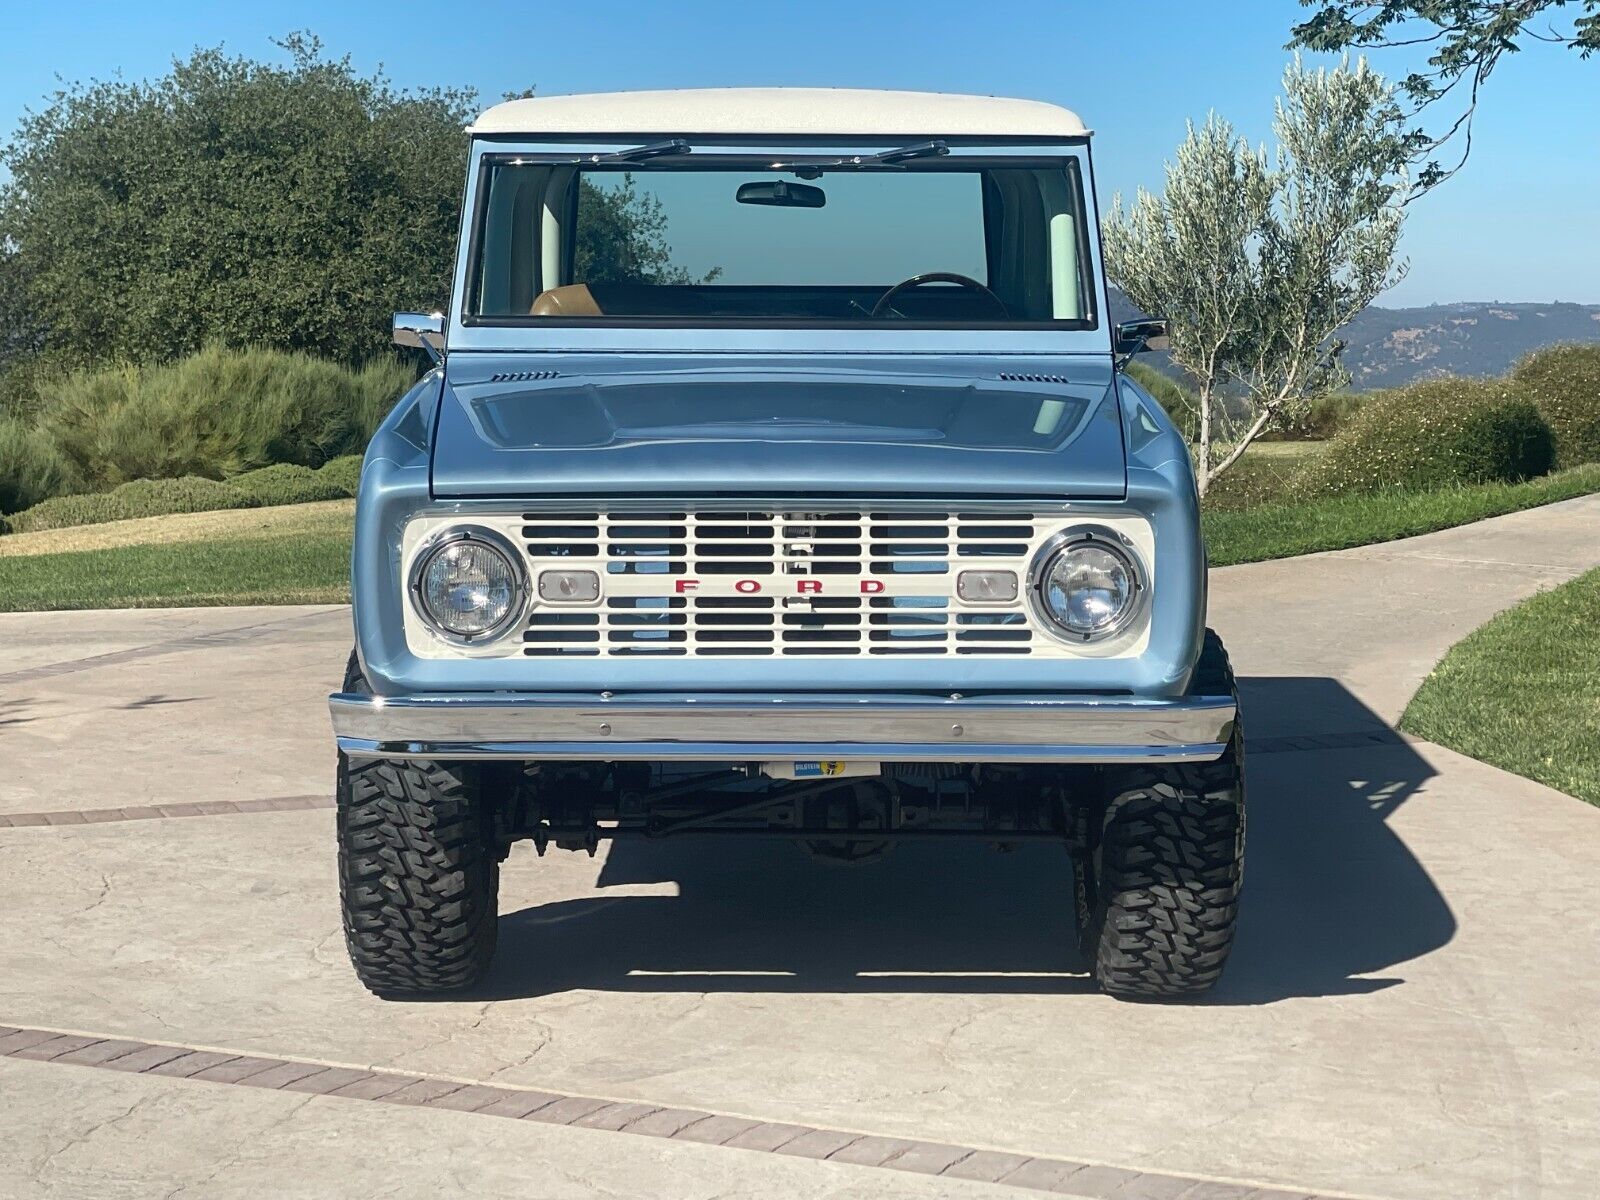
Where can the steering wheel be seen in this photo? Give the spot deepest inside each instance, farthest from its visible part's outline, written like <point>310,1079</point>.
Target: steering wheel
<point>916,281</point>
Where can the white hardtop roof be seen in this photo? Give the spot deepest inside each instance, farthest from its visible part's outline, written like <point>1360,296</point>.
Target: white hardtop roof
<point>762,111</point>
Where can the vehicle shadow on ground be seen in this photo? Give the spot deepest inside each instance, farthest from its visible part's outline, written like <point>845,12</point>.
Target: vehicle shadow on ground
<point>1331,895</point>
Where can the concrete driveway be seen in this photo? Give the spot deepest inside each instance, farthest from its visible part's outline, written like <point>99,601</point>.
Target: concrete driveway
<point>1410,1011</point>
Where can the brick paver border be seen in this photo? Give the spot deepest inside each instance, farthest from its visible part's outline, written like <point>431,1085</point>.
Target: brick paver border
<point>1092,1181</point>
<point>156,812</point>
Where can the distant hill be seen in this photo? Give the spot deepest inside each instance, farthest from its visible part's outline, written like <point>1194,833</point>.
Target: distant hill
<point>1387,347</point>
<point>1390,346</point>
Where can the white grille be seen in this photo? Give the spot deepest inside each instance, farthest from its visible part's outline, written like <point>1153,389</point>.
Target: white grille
<point>761,584</point>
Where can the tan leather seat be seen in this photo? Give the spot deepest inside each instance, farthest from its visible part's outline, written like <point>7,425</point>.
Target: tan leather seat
<point>572,300</point>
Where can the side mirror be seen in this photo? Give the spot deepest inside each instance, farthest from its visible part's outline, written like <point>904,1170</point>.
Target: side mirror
<point>1147,334</point>
<point>421,331</point>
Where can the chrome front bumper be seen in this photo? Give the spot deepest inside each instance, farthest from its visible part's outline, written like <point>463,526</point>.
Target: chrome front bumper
<point>733,728</point>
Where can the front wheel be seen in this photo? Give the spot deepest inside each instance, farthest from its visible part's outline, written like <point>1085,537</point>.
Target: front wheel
<point>1160,896</point>
<point>419,878</point>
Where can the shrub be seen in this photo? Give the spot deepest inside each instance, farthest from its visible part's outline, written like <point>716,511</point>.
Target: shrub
<point>1438,433</point>
<point>380,383</point>
<point>1564,381</point>
<point>1178,401</point>
<point>30,468</point>
<point>344,472</point>
<point>141,498</point>
<point>1328,415</point>
<point>1254,480</point>
<point>216,414</point>
<point>287,483</point>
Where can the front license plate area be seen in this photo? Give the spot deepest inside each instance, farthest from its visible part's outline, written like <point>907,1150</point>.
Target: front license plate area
<point>820,768</point>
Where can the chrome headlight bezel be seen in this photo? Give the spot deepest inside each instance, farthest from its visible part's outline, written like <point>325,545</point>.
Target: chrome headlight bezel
<point>1103,538</point>
<point>498,543</point>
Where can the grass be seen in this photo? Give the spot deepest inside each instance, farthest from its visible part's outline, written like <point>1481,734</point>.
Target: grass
<point>1261,476</point>
<point>1519,693</point>
<point>328,516</point>
<point>1337,523</point>
<point>1279,450</point>
<point>300,553</point>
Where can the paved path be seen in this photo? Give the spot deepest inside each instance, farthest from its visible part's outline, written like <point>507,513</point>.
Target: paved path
<point>1409,1012</point>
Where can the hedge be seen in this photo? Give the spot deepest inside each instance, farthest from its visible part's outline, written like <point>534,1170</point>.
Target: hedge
<point>1439,433</point>
<point>344,471</point>
<point>1564,381</point>
<point>140,498</point>
<point>287,483</point>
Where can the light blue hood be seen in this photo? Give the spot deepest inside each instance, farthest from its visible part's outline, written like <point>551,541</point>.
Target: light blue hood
<point>518,425</point>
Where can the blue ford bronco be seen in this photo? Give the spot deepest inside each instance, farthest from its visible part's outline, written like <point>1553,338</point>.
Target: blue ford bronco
<point>777,476</point>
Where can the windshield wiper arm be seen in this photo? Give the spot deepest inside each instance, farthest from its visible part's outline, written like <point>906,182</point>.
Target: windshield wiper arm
<point>639,153</point>
<point>814,170</point>
<point>917,150</point>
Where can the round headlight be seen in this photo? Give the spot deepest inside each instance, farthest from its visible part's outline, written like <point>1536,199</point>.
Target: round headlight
<point>1088,585</point>
<point>468,585</point>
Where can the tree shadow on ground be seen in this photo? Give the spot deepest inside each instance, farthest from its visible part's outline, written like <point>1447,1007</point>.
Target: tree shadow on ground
<point>15,712</point>
<point>1332,896</point>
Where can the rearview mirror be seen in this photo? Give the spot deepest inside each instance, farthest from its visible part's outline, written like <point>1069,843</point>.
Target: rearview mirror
<point>780,193</point>
<point>1148,333</point>
<point>420,331</point>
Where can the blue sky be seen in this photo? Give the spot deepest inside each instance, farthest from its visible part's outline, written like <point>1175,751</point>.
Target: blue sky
<point>1521,223</point>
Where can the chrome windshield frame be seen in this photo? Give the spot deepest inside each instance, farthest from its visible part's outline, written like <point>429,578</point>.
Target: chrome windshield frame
<point>468,333</point>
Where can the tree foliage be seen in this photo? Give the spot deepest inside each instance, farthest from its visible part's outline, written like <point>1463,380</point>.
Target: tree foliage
<point>1186,256</point>
<point>622,236</point>
<point>235,201</point>
<point>293,206</point>
<point>1256,266</point>
<point>1466,39</point>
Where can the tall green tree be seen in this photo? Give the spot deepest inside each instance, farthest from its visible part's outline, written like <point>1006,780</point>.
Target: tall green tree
<point>1255,266</point>
<point>1464,40</point>
<point>293,206</point>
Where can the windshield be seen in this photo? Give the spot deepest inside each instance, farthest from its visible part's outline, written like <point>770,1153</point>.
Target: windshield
<point>931,242</point>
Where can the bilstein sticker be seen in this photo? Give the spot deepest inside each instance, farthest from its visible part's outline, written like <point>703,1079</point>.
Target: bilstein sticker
<point>816,770</point>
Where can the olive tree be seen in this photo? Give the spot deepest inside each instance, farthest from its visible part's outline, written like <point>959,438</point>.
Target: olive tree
<point>1185,255</point>
<point>1257,264</point>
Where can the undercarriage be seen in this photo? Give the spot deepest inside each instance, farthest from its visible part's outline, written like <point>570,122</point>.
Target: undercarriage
<point>576,806</point>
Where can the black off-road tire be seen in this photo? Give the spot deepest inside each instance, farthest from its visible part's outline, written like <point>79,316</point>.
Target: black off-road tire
<point>419,878</point>
<point>1167,866</point>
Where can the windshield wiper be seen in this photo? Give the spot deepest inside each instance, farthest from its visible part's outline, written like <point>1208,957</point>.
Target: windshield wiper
<point>916,150</point>
<point>639,153</point>
<point>814,170</point>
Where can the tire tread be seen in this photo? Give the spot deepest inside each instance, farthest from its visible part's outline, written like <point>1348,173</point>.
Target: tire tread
<point>1171,866</point>
<point>418,877</point>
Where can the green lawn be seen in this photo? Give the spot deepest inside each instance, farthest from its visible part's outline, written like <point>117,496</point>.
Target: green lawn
<point>294,568</point>
<point>1520,692</point>
<point>1280,530</point>
<point>301,553</point>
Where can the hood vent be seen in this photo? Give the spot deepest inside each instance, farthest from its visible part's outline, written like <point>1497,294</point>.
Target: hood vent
<point>1010,378</point>
<point>522,376</point>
